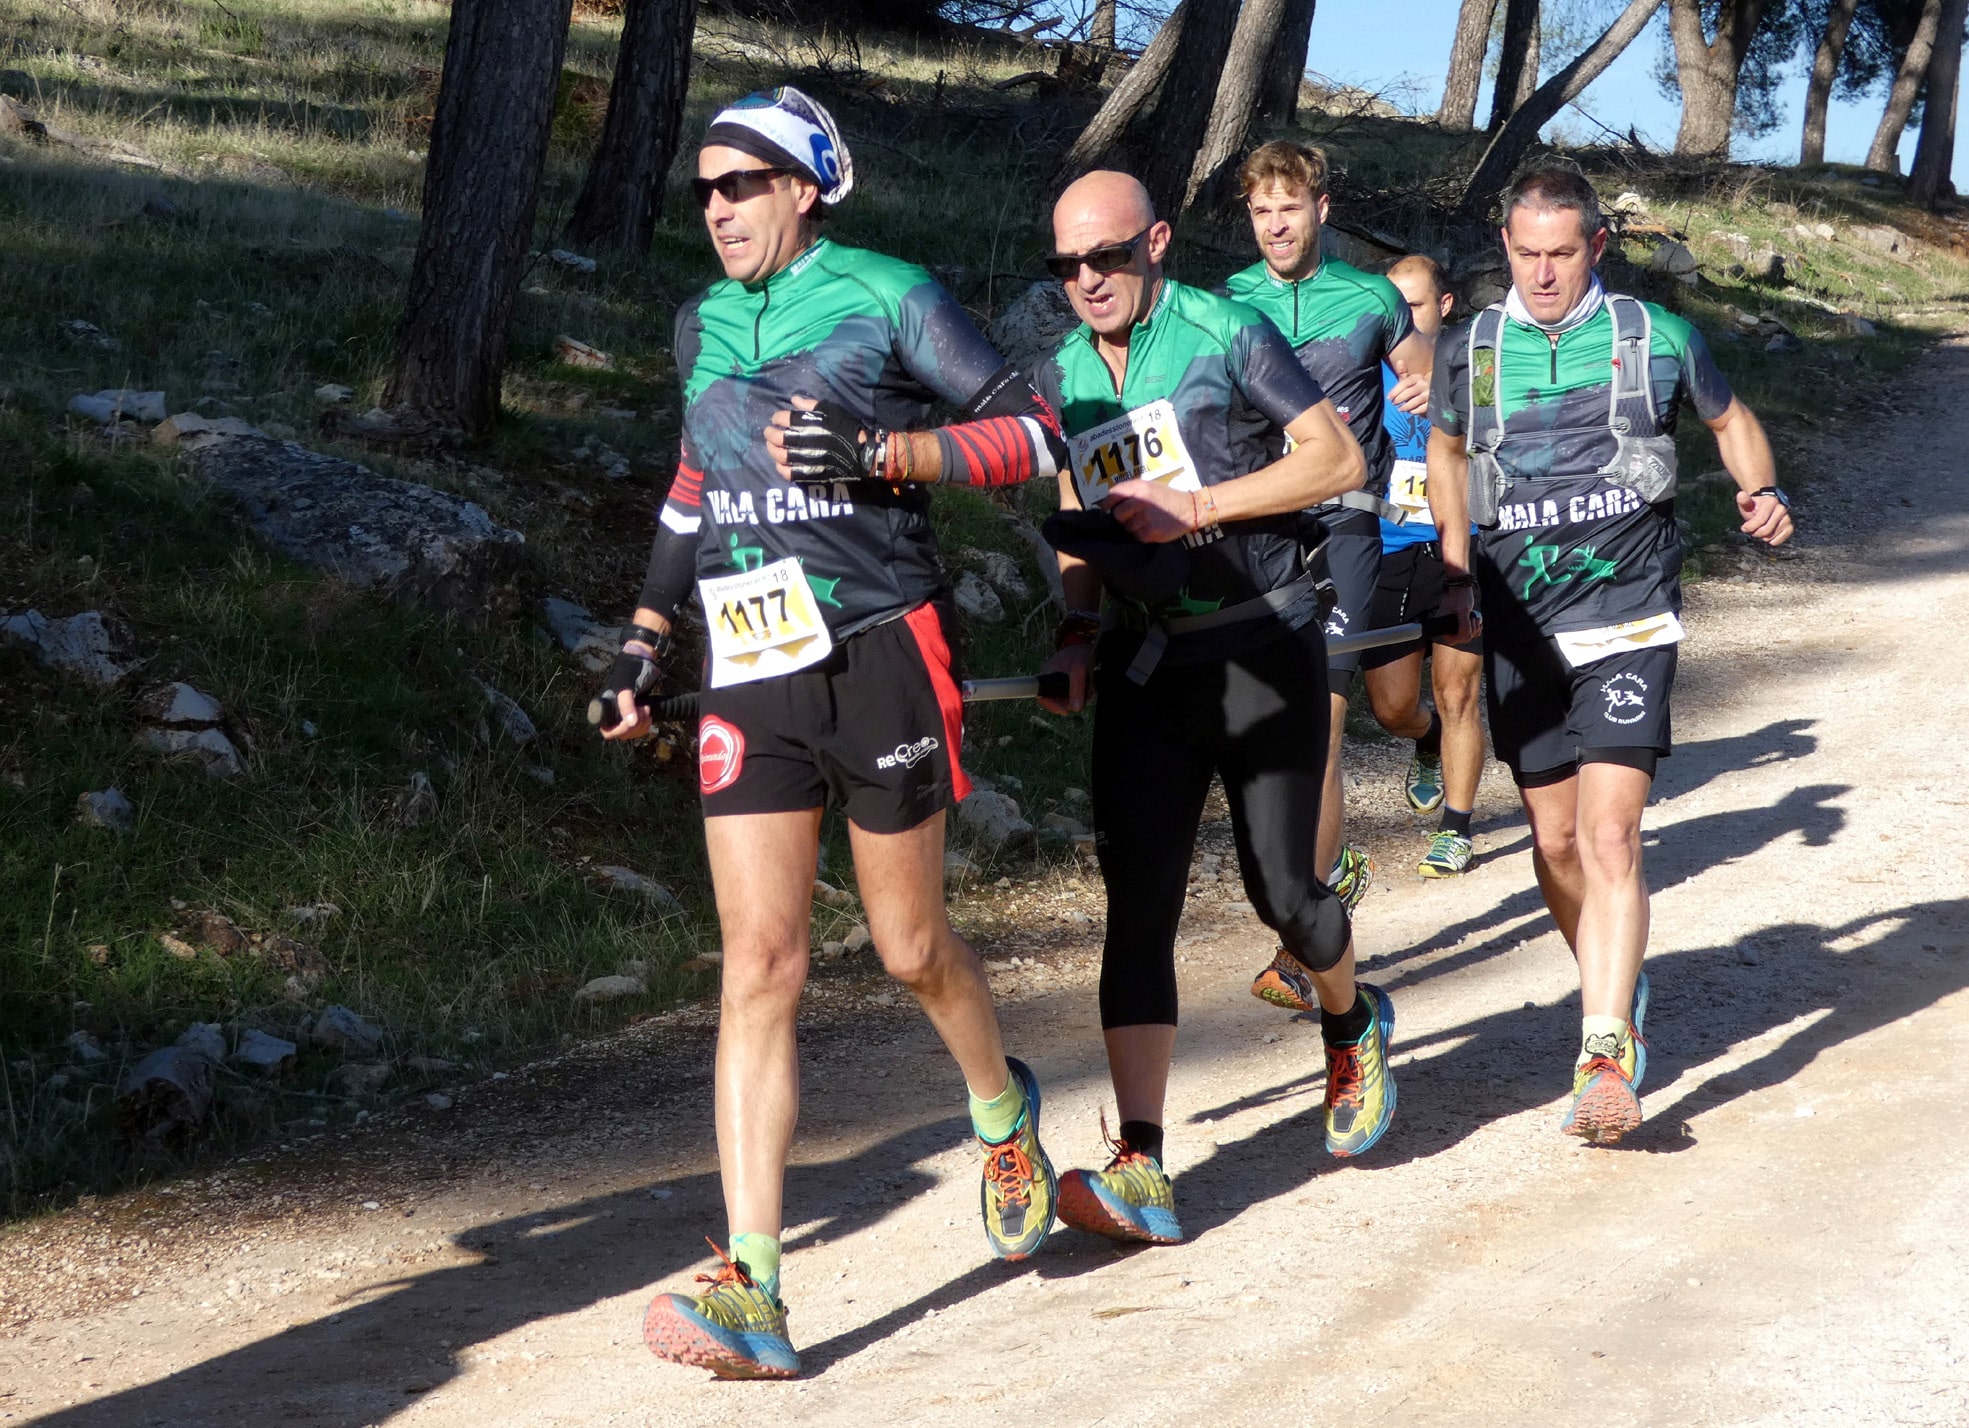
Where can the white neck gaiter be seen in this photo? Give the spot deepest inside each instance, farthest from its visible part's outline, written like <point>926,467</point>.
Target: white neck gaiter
<point>1515,309</point>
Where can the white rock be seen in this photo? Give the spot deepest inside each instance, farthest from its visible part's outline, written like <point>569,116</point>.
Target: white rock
<point>1629,202</point>
<point>114,404</point>
<point>263,1053</point>
<point>205,1039</point>
<point>88,644</point>
<point>858,939</point>
<point>340,1029</point>
<point>1060,823</point>
<point>1673,258</point>
<point>335,393</point>
<point>977,599</point>
<point>1000,572</point>
<point>361,1078</point>
<point>210,749</point>
<point>107,808</point>
<point>513,721</point>
<point>1824,230</point>
<point>648,889</point>
<point>179,704</point>
<point>832,951</point>
<point>609,989</point>
<point>958,869</point>
<point>308,914</point>
<point>572,261</point>
<point>576,353</point>
<point>194,432</point>
<point>993,820</point>
<point>85,1048</point>
<point>591,642</point>
<point>438,1101</point>
<point>1857,326</point>
<point>827,895</point>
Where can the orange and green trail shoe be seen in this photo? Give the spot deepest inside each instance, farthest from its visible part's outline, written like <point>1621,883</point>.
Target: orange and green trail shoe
<point>1604,1107</point>
<point>1019,1191</point>
<point>734,1328</point>
<point>1131,1200</point>
<point>1287,983</point>
<point>1360,1090</point>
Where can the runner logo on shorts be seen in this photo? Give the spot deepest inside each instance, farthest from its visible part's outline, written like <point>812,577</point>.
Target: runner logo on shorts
<point>909,755</point>
<point>1627,698</point>
<point>720,755</point>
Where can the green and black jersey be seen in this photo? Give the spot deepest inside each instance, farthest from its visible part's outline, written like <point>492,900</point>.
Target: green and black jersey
<point>1572,550</point>
<point>1342,323</point>
<point>1233,384</point>
<point>874,334</point>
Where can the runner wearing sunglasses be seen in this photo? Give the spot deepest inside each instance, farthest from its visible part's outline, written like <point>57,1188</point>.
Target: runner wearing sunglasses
<point>800,511</point>
<point>1209,661</point>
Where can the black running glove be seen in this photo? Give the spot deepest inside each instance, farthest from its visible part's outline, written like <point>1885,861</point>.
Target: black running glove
<point>635,667</point>
<point>830,443</point>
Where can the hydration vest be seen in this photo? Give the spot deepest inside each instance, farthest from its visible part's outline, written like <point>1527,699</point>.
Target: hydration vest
<point>1644,456</point>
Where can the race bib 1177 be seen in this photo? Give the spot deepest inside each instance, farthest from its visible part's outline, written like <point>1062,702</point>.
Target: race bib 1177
<point>762,623</point>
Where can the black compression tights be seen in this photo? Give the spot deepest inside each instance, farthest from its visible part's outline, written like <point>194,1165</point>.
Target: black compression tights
<point>1259,721</point>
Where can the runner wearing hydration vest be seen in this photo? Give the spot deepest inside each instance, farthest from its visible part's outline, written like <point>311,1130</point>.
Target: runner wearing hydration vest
<point>1554,418</point>
<point>1209,660</point>
<point>800,513</point>
<point>1343,324</point>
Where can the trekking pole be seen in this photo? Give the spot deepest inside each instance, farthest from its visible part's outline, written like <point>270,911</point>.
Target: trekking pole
<point>1052,685</point>
<point>1432,628</point>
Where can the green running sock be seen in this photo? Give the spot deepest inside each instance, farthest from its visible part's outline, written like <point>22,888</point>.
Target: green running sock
<point>995,1120</point>
<point>1600,1036</point>
<point>760,1256</point>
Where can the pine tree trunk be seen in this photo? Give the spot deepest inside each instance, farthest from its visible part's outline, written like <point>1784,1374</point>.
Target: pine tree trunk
<point>1278,97</point>
<point>1934,153</point>
<point>1110,122</point>
<point>1517,61</point>
<point>1708,71</point>
<point>495,112</point>
<point>1884,154</point>
<point>1182,112</point>
<point>1252,46</point>
<point>623,197</point>
<point>1101,32</point>
<point>1458,111</point>
<point>1501,156</point>
<point>1825,69</point>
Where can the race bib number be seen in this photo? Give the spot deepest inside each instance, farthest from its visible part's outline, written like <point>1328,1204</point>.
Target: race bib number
<point>1582,647</point>
<point>762,622</point>
<point>1140,445</point>
<point>1408,487</point>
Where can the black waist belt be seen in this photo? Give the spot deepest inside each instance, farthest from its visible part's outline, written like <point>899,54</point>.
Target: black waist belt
<point>1158,634</point>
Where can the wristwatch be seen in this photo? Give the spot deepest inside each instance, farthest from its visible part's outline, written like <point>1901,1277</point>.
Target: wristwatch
<point>1782,499</point>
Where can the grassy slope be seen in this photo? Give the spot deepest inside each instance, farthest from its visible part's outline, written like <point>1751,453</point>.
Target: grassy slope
<point>291,136</point>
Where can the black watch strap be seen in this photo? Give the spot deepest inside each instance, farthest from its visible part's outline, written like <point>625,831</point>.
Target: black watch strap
<point>1782,499</point>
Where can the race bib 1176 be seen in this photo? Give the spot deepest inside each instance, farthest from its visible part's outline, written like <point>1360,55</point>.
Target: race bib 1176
<point>1140,445</point>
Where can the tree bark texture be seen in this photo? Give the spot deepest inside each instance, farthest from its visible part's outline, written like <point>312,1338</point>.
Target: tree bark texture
<point>1101,32</point>
<point>1501,156</point>
<point>495,113</point>
<point>1458,110</point>
<point>1278,96</point>
<point>1231,112</point>
<point>1934,152</point>
<point>1517,61</point>
<point>1708,69</point>
<point>1110,122</point>
<point>1883,155</point>
<point>1182,111</point>
<point>1825,69</point>
<point>623,196</point>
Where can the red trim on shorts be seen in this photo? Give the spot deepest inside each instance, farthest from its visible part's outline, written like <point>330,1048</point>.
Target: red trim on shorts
<point>927,628</point>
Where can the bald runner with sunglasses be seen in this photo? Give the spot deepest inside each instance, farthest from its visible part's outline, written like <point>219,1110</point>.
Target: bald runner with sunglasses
<point>1208,660</point>
<point>800,512</point>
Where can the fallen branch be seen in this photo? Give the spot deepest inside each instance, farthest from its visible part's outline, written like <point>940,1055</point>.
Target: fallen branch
<point>17,118</point>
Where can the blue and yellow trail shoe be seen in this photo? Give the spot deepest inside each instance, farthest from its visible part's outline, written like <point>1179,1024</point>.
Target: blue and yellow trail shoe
<point>1423,786</point>
<point>1019,1191</point>
<point>734,1328</point>
<point>1131,1200</point>
<point>1360,1090</point>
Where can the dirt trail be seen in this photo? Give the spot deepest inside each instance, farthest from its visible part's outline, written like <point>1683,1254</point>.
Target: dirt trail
<point>1782,1243</point>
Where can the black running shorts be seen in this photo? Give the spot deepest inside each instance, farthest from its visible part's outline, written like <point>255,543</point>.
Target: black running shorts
<point>1547,717</point>
<point>1353,559</point>
<point>1410,588</point>
<point>874,730</point>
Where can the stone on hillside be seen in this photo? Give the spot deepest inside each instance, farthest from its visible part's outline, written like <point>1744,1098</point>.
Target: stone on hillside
<point>977,600</point>
<point>107,808</point>
<point>307,914</point>
<point>1000,572</point>
<point>209,749</point>
<point>89,335</point>
<point>334,393</point>
<point>1672,258</point>
<point>514,724</point>
<point>348,1032</point>
<point>180,705</point>
<point>609,989</point>
<point>958,870</point>
<point>992,820</point>
<point>361,1078</point>
<point>115,404</point>
<point>1888,241</point>
<point>221,934</point>
<point>192,430</point>
<point>166,1096</point>
<point>573,262</point>
<point>1764,266</point>
<point>1032,324</point>
<point>260,1052</point>
<point>1824,230</point>
<point>827,895</point>
<point>1629,202</point>
<point>1061,824</point>
<point>832,951</point>
<point>1783,342</point>
<point>576,353</point>
<point>858,939</point>
<point>84,1049</point>
<point>1857,326</point>
<point>204,1038</point>
<point>429,1065</point>
<point>89,644</point>
<point>648,889</point>
<point>373,531</point>
<point>593,644</point>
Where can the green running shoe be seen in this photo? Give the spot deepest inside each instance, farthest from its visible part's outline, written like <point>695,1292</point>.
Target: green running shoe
<point>1449,854</point>
<point>1131,1200</point>
<point>1019,1190</point>
<point>1351,877</point>
<point>1423,788</point>
<point>734,1328</point>
<point>1360,1091</point>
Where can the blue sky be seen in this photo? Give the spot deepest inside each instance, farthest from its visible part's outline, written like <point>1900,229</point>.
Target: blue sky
<point>1386,55</point>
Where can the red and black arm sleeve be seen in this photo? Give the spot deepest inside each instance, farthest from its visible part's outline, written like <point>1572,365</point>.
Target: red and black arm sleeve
<point>1012,435</point>
<point>673,554</point>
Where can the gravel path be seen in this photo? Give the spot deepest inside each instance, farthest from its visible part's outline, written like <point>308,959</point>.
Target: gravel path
<point>1781,1243</point>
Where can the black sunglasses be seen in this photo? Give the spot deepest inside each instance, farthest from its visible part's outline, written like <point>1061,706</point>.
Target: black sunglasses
<point>1107,259</point>
<point>736,186</point>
